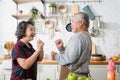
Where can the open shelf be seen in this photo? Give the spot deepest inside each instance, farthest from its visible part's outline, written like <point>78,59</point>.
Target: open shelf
<point>71,1</point>
<point>25,1</point>
<point>23,16</point>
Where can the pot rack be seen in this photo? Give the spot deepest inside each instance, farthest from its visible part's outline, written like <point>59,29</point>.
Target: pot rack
<point>71,1</point>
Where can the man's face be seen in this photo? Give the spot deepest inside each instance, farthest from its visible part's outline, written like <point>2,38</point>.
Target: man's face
<point>75,24</point>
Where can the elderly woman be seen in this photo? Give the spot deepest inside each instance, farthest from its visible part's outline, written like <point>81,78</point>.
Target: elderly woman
<point>24,56</point>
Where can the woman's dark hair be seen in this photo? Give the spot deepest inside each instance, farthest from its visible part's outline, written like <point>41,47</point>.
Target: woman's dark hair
<point>21,29</point>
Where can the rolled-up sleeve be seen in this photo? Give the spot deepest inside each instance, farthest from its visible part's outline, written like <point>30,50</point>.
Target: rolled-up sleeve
<point>18,52</point>
<point>71,53</point>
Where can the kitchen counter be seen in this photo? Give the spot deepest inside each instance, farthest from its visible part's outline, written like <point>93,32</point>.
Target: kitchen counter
<point>48,61</point>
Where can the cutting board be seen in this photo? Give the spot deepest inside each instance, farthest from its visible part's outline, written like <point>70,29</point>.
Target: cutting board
<point>74,9</point>
<point>93,48</point>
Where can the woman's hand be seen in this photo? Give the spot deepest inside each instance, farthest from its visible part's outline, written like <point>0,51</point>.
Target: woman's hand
<point>40,45</point>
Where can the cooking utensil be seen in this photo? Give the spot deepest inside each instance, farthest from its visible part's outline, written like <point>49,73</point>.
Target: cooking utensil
<point>49,24</point>
<point>93,49</point>
<point>98,22</point>
<point>62,9</point>
<point>94,32</point>
<point>69,27</point>
<point>50,28</point>
<point>74,9</point>
<point>57,29</point>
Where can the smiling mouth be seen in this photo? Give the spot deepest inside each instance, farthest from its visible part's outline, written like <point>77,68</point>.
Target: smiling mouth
<point>33,35</point>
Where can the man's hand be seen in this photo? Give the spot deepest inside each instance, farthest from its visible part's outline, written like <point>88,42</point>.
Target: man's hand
<point>53,55</point>
<point>59,43</point>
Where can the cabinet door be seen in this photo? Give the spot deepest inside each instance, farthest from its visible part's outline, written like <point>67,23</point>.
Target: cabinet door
<point>47,71</point>
<point>98,72</point>
<point>57,72</point>
<point>7,74</point>
<point>1,73</point>
<point>118,72</point>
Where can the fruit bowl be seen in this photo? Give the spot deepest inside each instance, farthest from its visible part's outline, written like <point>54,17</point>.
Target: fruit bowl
<point>115,58</point>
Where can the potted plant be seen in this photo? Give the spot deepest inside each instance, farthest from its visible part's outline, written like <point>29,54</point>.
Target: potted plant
<point>34,12</point>
<point>52,7</point>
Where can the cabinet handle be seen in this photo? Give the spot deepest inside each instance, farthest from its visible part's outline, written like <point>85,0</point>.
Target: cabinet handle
<point>117,68</point>
<point>57,68</point>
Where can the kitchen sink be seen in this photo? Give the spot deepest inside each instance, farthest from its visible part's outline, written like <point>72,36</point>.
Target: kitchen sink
<point>7,64</point>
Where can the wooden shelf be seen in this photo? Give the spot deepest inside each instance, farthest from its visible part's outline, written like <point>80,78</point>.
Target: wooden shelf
<point>23,16</point>
<point>25,1</point>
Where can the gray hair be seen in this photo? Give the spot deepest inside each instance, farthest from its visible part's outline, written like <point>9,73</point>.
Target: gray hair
<point>85,16</point>
<point>21,29</point>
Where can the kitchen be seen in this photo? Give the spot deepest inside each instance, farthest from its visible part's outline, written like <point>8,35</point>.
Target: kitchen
<point>106,42</point>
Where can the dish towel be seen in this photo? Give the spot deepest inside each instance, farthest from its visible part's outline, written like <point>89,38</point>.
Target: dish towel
<point>89,12</point>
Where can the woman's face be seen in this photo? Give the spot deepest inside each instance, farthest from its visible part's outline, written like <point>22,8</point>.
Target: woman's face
<point>30,32</point>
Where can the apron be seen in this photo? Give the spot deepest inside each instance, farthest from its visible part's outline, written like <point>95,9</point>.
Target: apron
<point>64,71</point>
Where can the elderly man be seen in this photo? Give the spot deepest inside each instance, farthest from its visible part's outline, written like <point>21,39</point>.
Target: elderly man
<point>75,57</point>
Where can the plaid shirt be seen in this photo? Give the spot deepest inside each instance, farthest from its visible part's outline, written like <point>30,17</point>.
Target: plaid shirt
<point>20,50</point>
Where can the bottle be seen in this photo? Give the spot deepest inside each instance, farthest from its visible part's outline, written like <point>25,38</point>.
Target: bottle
<point>111,75</point>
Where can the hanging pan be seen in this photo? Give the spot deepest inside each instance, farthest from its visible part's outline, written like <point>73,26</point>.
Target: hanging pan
<point>69,27</point>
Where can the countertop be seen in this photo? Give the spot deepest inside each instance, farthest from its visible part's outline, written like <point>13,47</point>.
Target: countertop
<point>48,61</point>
